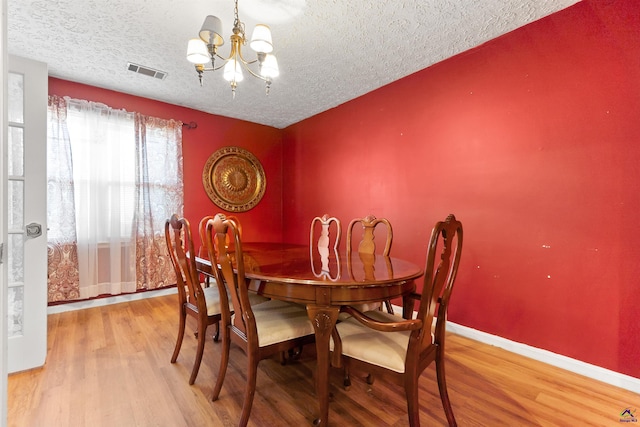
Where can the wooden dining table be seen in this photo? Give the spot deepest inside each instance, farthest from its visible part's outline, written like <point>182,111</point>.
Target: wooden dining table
<point>323,282</point>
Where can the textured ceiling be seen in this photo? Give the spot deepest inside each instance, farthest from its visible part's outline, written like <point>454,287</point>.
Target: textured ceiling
<point>329,51</point>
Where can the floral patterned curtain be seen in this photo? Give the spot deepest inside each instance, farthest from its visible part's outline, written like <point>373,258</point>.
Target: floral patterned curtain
<point>63,278</point>
<point>158,194</point>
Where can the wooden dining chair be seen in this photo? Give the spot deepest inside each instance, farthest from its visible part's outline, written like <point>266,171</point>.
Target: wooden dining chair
<point>205,279</point>
<point>324,234</point>
<point>262,330</point>
<point>367,244</point>
<point>367,240</point>
<point>323,231</point>
<point>400,349</point>
<point>202,252</point>
<point>194,300</point>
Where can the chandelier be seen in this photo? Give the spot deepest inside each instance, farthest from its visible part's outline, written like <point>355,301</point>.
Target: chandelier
<point>203,51</point>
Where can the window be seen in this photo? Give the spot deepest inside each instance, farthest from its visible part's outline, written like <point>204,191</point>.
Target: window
<point>103,151</point>
<point>114,177</point>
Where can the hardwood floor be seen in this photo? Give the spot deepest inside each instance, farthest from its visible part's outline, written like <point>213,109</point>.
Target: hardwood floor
<point>109,366</point>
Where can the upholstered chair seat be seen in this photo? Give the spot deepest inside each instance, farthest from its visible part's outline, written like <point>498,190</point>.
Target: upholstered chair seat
<point>278,321</point>
<point>212,296</point>
<point>385,349</point>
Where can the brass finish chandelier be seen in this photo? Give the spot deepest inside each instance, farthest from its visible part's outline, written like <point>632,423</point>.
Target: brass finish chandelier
<point>203,51</point>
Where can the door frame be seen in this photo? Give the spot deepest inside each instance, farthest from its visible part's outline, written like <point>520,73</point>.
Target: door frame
<point>3,217</point>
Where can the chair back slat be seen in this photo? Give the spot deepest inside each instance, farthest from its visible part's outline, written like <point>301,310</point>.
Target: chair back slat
<point>324,239</point>
<point>203,252</point>
<point>367,247</point>
<point>327,228</point>
<point>182,254</point>
<point>443,260</point>
<point>223,235</point>
<point>367,243</point>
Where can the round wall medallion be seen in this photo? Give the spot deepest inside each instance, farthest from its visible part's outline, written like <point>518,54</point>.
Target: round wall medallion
<point>234,179</point>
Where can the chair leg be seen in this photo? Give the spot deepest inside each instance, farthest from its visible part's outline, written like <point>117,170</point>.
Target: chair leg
<point>389,307</point>
<point>249,390</point>
<point>442,387</point>
<point>216,336</point>
<point>413,404</point>
<point>181,327</point>
<point>224,362</point>
<point>346,382</point>
<point>202,336</point>
<point>295,353</point>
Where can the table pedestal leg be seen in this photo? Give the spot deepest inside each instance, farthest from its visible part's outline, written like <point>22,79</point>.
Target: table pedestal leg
<point>324,320</point>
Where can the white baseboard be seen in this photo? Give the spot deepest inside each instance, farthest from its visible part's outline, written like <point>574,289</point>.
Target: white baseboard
<point>116,299</point>
<point>572,365</point>
<point>592,371</point>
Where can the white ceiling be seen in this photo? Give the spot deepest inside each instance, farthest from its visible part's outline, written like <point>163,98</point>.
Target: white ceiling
<point>329,51</point>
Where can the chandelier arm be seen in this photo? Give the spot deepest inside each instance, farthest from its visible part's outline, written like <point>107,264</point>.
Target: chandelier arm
<point>253,73</point>
<point>246,64</point>
<point>214,68</point>
<point>244,61</point>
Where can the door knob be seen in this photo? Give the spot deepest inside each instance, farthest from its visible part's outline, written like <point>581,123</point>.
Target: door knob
<point>34,230</point>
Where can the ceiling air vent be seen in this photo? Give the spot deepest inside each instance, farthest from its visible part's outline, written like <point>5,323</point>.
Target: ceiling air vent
<point>141,69</point>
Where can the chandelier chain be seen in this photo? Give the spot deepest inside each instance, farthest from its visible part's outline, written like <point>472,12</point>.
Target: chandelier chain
<point>236,22</point>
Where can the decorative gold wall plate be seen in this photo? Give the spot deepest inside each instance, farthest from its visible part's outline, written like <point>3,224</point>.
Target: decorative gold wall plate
<point>234,179</point>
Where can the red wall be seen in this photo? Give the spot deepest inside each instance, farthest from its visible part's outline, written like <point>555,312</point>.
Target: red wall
<point>264,222</point>
<point>533,141</point>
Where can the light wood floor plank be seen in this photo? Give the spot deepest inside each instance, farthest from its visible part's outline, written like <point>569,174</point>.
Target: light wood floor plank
<point>109,366</point>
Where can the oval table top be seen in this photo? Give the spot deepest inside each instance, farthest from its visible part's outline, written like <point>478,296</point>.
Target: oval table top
<point>292,263</point>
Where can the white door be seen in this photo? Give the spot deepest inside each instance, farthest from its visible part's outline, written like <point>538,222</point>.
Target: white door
<point>26,244</point>
<point>3,223</point>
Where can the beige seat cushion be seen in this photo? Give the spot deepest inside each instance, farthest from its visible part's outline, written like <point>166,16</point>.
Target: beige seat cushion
<point>255,299</point>
<point>369,306</point>
<point>212,296</point>
<point>279,321</point>
<point>386,349</point>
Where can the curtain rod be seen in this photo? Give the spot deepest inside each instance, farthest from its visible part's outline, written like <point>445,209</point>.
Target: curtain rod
<point>190,125</point>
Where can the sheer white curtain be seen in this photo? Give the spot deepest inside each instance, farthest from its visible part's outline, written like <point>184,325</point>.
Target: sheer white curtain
<point>103,146</point>
<point>126,173</point>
